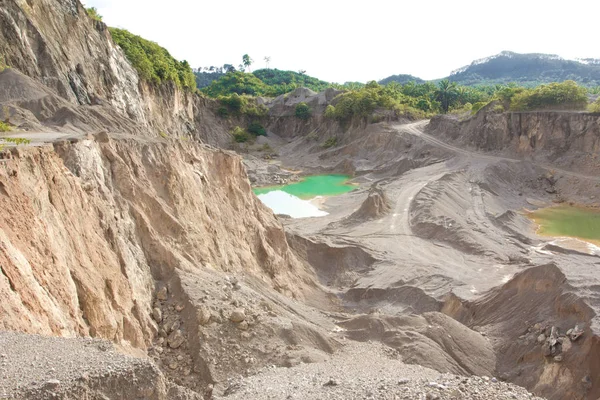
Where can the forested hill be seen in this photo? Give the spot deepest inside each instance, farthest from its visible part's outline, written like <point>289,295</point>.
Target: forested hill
<point>524,69</point>
<point>528,69</point>
<point>401,79</point>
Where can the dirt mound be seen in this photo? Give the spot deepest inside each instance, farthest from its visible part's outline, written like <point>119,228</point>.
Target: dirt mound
<point>432,340</point>
<point>530,319</point>
<point>375,206</point>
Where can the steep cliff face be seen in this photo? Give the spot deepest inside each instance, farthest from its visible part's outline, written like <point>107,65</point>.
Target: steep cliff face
<point>54,41</point>
<point>76,62</point>
<point>89,229</point>
<point>567,139</point>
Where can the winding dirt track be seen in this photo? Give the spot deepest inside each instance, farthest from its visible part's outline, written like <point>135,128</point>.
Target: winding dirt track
<point>416,129</point>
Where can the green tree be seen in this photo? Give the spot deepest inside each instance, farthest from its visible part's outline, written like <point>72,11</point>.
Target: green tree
<point>565,95</point>
<point>446,94</point>
<point>152,62</point>
<point>92,12</point>
<point>303,111</point>
<point>247,61</point>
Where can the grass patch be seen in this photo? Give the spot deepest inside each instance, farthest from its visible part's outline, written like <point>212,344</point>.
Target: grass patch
<point>331,142</point>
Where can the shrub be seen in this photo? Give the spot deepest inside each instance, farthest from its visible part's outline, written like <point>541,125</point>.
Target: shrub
<point>331,142</point>
<point>257,129</point>
<point>478,106</point>
<point>246,105</point>
<point>152,62</point>
<point>498,108</point>
<point>17,141</point>
<point>329,112</point>
<point>3,65</point>
<point>594,107</point>
<point>222,112</point>
<point>92,12</point>
<point>233,102</point>
<point>4,127</point>
<point>303,111</point>
<point>565,95</point>
<point>237,82</point>
<point>240,135</point>
<point>253,109</point>
<point>376,118</point>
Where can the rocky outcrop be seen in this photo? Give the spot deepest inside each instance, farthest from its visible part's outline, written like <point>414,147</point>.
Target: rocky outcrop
<point>85,81</point>
<point>54,42</point>
<point>566,139</point>
<point>376,205</point>
<point>90,227</point>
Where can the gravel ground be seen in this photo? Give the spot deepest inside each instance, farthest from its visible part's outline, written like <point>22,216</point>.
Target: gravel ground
<point>368,371</point>
<point>33,366</point>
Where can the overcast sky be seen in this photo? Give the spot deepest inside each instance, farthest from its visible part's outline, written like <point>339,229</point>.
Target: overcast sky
<point>343,41</point>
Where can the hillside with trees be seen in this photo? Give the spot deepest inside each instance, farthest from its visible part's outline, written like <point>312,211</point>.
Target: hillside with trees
<point>527,70</point>
<point>402,79</point>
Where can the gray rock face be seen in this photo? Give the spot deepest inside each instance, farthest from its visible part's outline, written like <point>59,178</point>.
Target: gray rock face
<point>38,34</point>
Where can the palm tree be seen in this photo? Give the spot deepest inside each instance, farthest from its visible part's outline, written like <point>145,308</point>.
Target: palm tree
<point>267,61</point>
<point>446,93</point>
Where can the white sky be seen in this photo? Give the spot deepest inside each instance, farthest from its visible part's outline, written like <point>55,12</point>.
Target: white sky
<point>343,41</point>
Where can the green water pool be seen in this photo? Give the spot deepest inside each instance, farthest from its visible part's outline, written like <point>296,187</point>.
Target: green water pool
<point>578,222</point>
<point>312,186</point>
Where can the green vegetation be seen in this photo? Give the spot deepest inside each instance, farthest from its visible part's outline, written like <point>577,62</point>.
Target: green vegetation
<point>240,135</point>
<point>331,142</point>
<point>364,101</point>
<point>594,107</point>
<point>92,12</point>
<point>563,95</point>
<point>247,61</point>
<point>240,105</point>
<point>374,102</point>
<point>401,79</point>
<point>237,83</point>
<point>4,127</point>
<point>528,70</point>
<point>3,64</point>
<point>257,129</point>
<point>446,94</point>
<point>286,81</point>
<point>152,62</point>
<point>17,141</point>
<point>303,111</point>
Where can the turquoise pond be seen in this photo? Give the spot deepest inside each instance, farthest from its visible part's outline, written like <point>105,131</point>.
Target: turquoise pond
<point>293,199</point>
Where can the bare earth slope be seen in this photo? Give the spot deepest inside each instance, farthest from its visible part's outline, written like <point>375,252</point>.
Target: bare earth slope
<point>455,232</point>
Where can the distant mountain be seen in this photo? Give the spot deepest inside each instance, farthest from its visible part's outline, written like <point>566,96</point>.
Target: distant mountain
<point>524,69</point>
<point>402,79</point>
<point>528,69</point>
